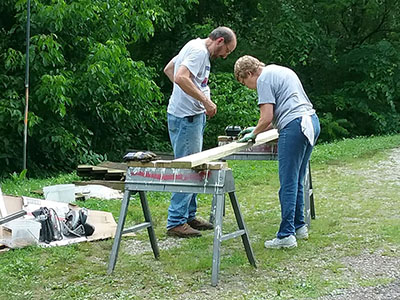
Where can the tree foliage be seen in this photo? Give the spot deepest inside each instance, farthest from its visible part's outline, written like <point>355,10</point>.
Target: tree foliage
<point>345,52</point>
<point>88,98</point>
<point>236,106</point>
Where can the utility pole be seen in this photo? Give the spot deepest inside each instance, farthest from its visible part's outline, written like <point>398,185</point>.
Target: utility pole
<point>28,27</point>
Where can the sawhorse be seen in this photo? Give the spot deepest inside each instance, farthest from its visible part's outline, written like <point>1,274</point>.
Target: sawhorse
<point>213,179</point>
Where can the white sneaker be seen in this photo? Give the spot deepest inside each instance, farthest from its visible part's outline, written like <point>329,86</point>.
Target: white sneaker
<point>287,242</point>
<point>302,233</point>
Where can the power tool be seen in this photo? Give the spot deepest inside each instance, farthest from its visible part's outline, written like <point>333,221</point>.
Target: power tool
<point>232,131</point>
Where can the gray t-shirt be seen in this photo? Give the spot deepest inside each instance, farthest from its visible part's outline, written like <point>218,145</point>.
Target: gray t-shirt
<point>282,87</point>
<point>195,56</point>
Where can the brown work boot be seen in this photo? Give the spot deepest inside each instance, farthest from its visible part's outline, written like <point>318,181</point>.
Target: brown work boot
<point>200,224</point>
<point>183,231</point>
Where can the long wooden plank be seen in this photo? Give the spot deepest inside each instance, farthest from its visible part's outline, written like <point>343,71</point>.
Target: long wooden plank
<point>203,157</point>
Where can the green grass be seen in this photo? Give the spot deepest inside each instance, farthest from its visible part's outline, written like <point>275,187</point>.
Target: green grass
<point>354,216</point>
<point>349,149</point>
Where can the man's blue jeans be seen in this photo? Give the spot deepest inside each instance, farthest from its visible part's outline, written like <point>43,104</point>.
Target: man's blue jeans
<point>294,151</point>
<point>186,135</point>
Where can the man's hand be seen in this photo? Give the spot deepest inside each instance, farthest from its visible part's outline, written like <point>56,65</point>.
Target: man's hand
<point>211,108</point>
<point>246,135</point>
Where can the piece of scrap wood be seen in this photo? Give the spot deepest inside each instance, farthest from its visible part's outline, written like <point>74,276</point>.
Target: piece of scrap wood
<point>203,157</point>
<point>84,170</point>
<point>96,169</point>
<point>85,167</point>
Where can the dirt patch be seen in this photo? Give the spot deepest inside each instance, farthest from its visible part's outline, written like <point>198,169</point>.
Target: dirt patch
<point>374,266</point>
<point>380,292</point>
<point>370,267</point>
<point>134,247</point>
<point>386,171</point>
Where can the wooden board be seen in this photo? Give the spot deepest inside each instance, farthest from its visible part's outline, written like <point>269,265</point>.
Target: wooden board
<point>113,165</point>
<point>203,157</point>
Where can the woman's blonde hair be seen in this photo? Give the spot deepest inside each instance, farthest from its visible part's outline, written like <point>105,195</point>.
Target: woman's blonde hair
<point>246,64</point>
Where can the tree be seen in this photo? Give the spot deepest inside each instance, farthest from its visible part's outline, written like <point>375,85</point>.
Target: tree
<point>89,98</point>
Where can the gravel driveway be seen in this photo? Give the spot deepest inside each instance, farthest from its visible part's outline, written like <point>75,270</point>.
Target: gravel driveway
<point>374,266</point>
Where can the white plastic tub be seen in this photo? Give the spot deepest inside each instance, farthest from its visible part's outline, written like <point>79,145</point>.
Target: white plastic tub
<point>24,232</point>
<point>60,193</point>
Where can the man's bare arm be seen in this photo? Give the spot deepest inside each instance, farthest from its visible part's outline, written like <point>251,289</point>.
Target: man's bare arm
<point>169,70</point>
<point>183,78</point>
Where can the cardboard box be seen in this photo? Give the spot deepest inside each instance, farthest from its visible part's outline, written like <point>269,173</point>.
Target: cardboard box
<point>103,222</point>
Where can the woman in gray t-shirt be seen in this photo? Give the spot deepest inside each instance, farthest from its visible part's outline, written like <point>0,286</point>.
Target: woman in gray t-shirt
<point>284,105</point>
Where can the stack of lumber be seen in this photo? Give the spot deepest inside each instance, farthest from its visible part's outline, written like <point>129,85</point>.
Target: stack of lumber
<point>104,171</point>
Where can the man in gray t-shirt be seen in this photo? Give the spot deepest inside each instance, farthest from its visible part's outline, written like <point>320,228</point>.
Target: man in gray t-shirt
<point>284,105</point>
<point>189,104</point>
<point>195,57</point>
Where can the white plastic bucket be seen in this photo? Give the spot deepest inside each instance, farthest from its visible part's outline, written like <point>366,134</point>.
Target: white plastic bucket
<point>24,232</point>
<point>60,193</point>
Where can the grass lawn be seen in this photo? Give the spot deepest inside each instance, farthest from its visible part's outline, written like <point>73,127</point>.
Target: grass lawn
<point>357,206</point>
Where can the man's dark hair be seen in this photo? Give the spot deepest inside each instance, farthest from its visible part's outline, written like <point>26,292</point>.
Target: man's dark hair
<point>224,32</point>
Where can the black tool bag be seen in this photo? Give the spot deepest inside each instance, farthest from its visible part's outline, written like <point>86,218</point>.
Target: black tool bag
<point>51,225</point>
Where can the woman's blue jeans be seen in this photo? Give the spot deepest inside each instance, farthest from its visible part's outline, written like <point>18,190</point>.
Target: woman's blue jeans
<point>294,152</point>
<point>186,135</point>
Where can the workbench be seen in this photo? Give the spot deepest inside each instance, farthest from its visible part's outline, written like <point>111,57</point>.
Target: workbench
<point>212,178</point>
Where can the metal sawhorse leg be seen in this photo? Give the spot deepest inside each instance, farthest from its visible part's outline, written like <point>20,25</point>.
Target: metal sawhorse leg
<point>210,181</point>
<point>219,237</point>
<point>121,221</point>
